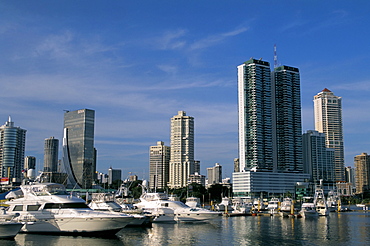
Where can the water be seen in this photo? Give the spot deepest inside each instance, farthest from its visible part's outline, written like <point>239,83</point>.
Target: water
<point>351,228</point>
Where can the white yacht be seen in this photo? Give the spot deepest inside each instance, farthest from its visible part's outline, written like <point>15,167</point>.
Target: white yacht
<point>105,202</point>
<point>320,202</point>
<point>166,210</point>
<point>273,205</point>
<point>193,202</point>
<point>308,209</point>
<point>333,201</point>
<point>286,205</point>
<point>46,208</point>
<point>225,205</point>
<point>241,206</point>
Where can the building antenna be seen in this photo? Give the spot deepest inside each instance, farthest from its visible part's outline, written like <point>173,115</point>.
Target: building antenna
<point>276,63</point>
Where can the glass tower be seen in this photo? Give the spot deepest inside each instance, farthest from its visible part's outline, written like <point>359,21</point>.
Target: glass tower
<point>286,119</point>
<point>159,159</point>
<point>255,115</point>
<point>79,127</point>
<point>51,148</point>
<point>12,146</point>
<point>328,120</point>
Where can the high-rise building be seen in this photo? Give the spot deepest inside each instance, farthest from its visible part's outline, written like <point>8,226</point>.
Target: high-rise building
<point>286,119</point>
<point>114,175</point>
<point>270,137</point>
<point>182,150</point>
<point>159,161</point>
<point>362,165</point>
<point>318,160</point>
<point>328,119</point>
<point>51,148</point>
<point>12,146</point>
<point>214,174</point>
<point>29,162</point>
<point>79,147</point>
<point>255,115</point>
<point>350,175</point>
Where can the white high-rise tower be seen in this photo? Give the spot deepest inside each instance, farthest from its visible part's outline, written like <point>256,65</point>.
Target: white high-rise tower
<point>182,162</point>
<point>328,120</point>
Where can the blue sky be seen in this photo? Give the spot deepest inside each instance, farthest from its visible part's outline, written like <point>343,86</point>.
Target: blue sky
<point>137,63</point>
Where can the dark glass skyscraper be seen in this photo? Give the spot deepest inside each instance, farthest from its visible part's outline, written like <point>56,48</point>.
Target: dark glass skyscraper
<point>79,126</point>
<point>51,149</point>
<point>12,146</point>
<point>286,119</point>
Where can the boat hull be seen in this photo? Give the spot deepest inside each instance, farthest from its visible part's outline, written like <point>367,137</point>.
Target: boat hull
<point>9,230</point>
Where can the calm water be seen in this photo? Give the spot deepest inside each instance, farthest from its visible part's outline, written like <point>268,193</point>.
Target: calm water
<point>351,228</point>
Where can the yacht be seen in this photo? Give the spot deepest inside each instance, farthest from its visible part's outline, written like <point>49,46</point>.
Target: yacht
<point>46,208</point>
<point>308,209</point>
<point>241,206</point>
<point>225,205</point>
<point>320,202</point>
<point>333,201</point>
<point>273,205</point>
<point>286,205</point>
<point>105,202</point>
<point>165,210</point>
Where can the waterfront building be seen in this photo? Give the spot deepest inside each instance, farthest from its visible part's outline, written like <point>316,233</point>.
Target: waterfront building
<point>350,175</point>
<point>182,162</point>
<point>29,163</point>
<point>362,165</point>
<point>159,161</point>
<point>270,138</point>
<point>114,175</point>
<point>12,147</point>
<point>328,120</point>
<point>197,178</point>
<point>255,115</point>
<point>214,174</point>
<point>51,149</point>
<point>286,119</point>
<point>79,154</point>
<point>318,160</point>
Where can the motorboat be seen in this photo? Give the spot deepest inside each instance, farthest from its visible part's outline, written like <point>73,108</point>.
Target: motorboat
<point>273,205</point>
<point>308,209</point>
<point>320,202</point>
<point>225,205</point>
<point>286,205</point>
<point>46,208</point>
<point>240,206</point>
<point>258,205</point>
<point>105,202</point>
<point>8,227</point>
<point>333,201</point>
<point>165,210</point>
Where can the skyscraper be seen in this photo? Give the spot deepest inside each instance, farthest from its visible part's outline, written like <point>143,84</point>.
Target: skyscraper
<point>270,137</point>
<point>79,131</point>
<point>182,150</point>
<point>159,161</point>
<point>328,119</point>
<point>286,119</point>
<point>12,146</point>
<point>362,165</point>
<point>255,115</point>
<point>114,175</point>
<point>319,160</point>
<point>51,148</point>
<point>29,162</point>
<point>214,174</point>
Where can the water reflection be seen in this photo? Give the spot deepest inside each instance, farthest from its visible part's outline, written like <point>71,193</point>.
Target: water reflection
<point>337,229</point>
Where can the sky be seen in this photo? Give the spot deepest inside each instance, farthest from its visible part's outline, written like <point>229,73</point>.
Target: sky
<point>137,63</point>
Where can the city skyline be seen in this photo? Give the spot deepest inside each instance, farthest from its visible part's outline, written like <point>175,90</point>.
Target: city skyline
<point>131,62</point>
